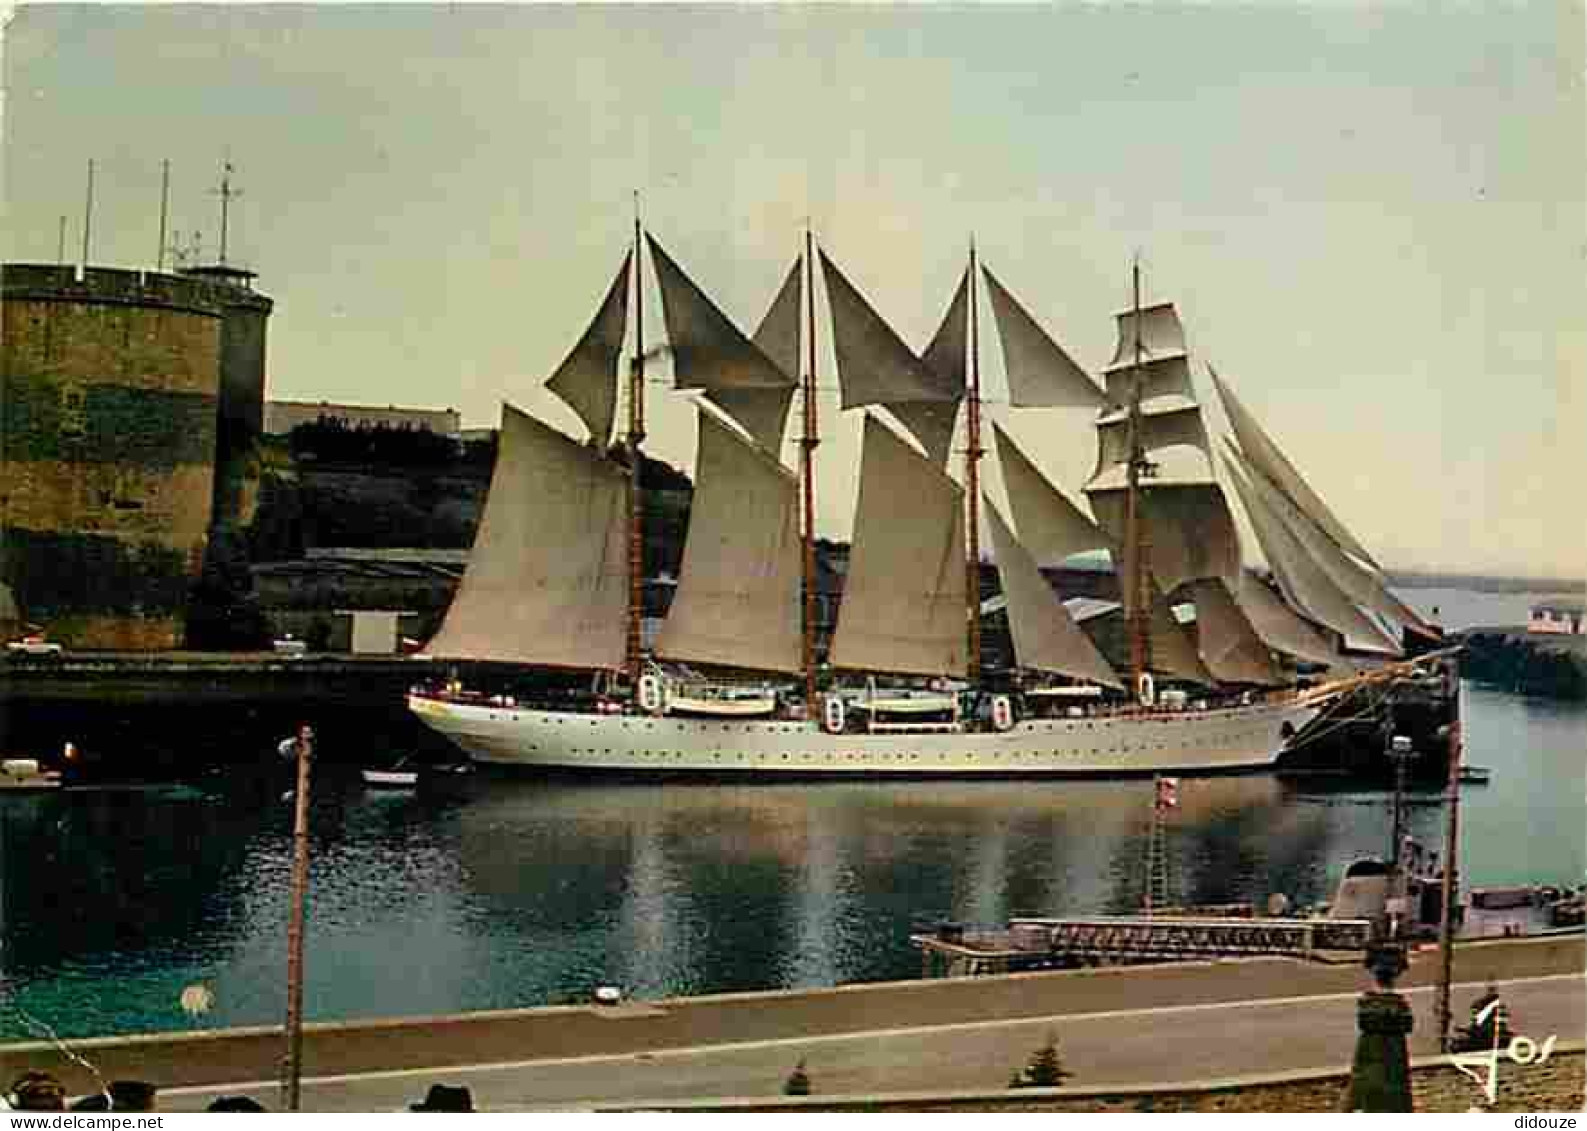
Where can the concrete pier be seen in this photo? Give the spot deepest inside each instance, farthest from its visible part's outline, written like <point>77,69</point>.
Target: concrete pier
<point>549,1044</point>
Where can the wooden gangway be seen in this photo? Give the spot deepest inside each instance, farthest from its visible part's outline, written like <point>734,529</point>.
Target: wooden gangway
<point>1028,943</point>
<point>1161,936</point>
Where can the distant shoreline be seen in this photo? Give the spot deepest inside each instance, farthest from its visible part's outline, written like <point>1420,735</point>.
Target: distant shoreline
<point>1408,579</point>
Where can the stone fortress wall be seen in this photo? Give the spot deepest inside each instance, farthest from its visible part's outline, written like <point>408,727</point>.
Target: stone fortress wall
<point>115,398</point>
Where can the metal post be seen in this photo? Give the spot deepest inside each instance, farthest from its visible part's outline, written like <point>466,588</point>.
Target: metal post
<point>1446,920</point>
<point>293,1073</point>
<point>88,213</point>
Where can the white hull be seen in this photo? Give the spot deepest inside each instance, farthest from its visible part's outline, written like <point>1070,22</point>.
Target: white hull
<point>1235,738</point>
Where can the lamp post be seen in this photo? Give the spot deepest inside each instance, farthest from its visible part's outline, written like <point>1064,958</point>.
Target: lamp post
<point>1380,1076</point>
<point>292,1074</point>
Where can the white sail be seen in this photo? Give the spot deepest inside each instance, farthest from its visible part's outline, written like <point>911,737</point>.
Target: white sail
<point>1165,423</point>
<point>737,602</point>
<point>1264,455</point>
<point>1161,334</point>
<point>1229,645</point>
<point>1040,374</point>
<point>932,421</point>
<point>1044,635</point>
<point>1279,626</point>
<point>763,413</point>
<point>1164,360</point>
<point>945,357</point>
<point>709,352</point>
<point>874,364</point>
<point>1305,584</point>
<point>1050,526</point>
<point>1172,653</point>
<point>1190,532</point>
<point>1363,588</point>
<point>778,335</point>
<point>547,581</point>
<point>904,602</point>
<point>587,377</point>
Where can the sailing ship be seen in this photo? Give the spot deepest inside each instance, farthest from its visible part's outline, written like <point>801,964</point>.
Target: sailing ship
<point>554,585</point>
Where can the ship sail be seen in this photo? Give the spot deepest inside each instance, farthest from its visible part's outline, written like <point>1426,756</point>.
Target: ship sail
<point>1361,587</point>
<point>1053,528</point>
<point>710,353</point>
<point>904,599</point>
<point>932,421</point>
<point>1191,533</point>
<point>1323,535</point>
<point>1229,645</point>
<point>1305,584</point>
<point>1264,456</point>
<point>1279,626</point>
<point>875,367</point>
<point>547,580</point>
<point>737,602</point>
<point>763,412</point>
<point>1044,635</point>
<point>1040,373</point>
<point>587,377</point>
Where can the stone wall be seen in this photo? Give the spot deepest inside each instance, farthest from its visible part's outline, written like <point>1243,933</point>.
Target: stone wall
<point>109,387</point>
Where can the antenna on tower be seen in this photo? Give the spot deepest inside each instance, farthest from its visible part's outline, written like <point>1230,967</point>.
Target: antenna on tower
<point>88,212</point>
<point>227,194</point>
<point>184,254</point>
<point>165,200</point>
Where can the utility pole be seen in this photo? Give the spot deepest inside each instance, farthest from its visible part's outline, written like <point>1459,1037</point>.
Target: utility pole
<point>292,1075</point>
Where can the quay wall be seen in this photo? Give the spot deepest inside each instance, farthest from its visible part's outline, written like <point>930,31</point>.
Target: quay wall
<point>228,1056</point>
<point>1553,667</point>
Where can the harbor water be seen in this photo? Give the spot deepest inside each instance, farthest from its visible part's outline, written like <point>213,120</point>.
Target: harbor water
<point>521,891</point>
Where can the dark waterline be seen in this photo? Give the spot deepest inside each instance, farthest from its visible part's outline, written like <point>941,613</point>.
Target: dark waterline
<point>523,892</point>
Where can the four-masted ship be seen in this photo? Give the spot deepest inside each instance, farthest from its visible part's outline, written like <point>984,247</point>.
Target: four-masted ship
<point>554,585</point>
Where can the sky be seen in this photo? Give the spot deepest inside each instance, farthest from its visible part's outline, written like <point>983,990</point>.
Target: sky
<point>1371,216</point>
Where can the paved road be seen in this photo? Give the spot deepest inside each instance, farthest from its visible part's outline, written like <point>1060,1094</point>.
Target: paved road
<point>1186,1042</point>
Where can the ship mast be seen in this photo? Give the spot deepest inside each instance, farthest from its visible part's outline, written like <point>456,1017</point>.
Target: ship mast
<point>972,475</point>
<point>636,436</point>
<point>1136,581</point>
<point>808,442</point>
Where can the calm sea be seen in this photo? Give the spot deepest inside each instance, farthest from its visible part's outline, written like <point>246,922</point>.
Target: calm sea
<point>522,892</point>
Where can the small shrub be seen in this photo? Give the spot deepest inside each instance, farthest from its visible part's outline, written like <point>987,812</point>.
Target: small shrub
<point>1044,1069</point>
<point>798,1082</point>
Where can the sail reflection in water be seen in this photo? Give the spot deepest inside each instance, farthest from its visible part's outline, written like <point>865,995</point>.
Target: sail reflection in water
<point>529,891</point>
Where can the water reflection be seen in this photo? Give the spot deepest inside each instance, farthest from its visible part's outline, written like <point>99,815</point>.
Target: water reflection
<point>524,891</point>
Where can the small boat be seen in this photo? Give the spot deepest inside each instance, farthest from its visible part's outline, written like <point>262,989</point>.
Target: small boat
<point>1475,775</point>
<point>26,774</point>
<point>391,779</point>
<point>405,774</point>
